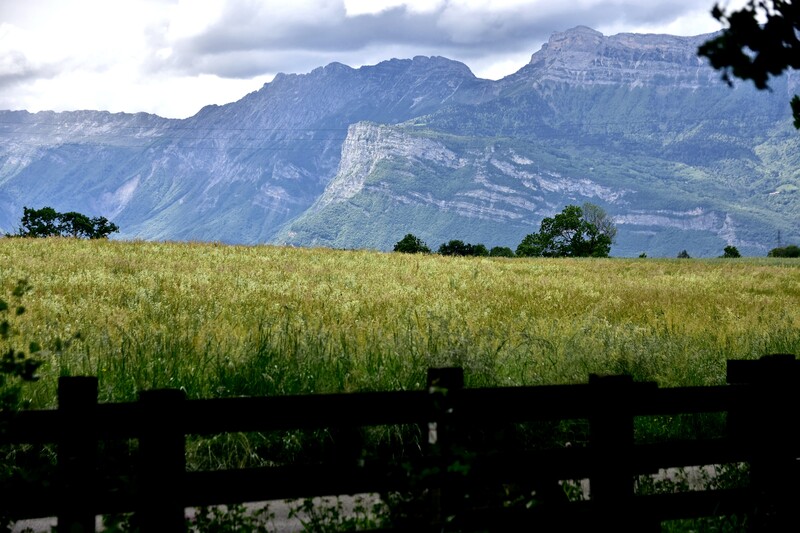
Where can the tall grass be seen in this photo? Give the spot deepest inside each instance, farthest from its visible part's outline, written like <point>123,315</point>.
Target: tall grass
<point>221,320</point>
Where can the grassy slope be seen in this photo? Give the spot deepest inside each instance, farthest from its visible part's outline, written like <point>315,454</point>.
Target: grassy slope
<point>223,320</point>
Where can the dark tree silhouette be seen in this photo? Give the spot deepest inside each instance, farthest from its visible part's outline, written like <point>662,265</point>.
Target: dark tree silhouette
<point>750,49</point>
<point>785,251</point>
<point>731,252</point>
<point>501,251</point>
<point>411,244</point>
<point>47,222</point>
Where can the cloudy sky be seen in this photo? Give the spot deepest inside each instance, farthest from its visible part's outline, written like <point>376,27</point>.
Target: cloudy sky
<point>172,57</point>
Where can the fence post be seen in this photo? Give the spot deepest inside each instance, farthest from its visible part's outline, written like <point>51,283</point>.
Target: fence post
<point>768,428</point>
<point>162,448</point>
<point>77,453</point>
<point>443,386</point>
<point>611,441</point>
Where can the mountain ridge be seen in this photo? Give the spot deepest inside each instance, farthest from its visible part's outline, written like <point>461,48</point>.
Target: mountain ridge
<point>356,158</point>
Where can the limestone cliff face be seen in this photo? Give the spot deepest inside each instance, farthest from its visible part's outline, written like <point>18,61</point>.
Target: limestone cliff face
<point>584,57</point>
<point>368,145</point>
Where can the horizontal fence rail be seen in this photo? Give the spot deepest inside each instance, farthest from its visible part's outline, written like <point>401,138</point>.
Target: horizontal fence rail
<point>760,402</point>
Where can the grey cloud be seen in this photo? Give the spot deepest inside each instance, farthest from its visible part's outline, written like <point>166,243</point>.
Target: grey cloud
<point>249,40</point>
<point>15,68</point>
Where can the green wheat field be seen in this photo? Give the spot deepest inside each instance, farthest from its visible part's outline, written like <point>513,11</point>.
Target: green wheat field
<point>219,320</point>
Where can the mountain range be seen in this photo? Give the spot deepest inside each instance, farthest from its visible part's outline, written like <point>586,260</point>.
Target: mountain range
<point>357,158</point>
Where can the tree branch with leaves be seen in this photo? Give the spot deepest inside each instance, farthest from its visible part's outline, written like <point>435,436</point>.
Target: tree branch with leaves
<point>759,41</point>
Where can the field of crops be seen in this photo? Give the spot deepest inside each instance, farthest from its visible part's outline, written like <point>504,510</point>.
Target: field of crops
<point>221,320</point>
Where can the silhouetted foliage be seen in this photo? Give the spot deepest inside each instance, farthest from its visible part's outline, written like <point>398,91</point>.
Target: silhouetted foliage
<point>411,244</point>
<point>568,234</point>
<point>760,40</point>
<point>731,252</point>
<point>16,368</point>
<point>461,248</point>
<point>501,251</point>
<point>785,251</point>
<point>47,222</point>
<point>683,254</point>
<point>479,250</point>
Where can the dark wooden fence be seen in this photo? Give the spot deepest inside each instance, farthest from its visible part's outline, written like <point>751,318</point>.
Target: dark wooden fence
<point>760,403</point>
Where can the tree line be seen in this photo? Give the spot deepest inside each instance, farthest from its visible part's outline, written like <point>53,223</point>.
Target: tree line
<point>47,222</point>
<point>585,231</point>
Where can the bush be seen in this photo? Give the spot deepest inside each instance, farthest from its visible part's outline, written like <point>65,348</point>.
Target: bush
<point>683,254</point>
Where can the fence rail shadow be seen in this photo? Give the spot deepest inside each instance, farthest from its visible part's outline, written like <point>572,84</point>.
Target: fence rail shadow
<point>760,402</point>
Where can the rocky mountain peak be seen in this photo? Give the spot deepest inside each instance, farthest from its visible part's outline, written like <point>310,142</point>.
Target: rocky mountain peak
<point>575,39</point>
<point>583,56</point>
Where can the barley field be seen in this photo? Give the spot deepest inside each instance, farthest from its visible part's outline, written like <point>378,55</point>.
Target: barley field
<point>220,320</point>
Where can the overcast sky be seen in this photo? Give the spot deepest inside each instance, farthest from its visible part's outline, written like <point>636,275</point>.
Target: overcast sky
<point>172,57</point>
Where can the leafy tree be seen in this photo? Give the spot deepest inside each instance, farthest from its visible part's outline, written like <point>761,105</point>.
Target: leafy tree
<point>594,214</point>
<point>683,254</point>
<point>103,227</point>
<point>568,234</point>
<point>731,252</point>
<point>75,225</point>
<point>47,222</point>
<point>39,222</point>
<point>785,251</point>
<point>411,244</point>
<point>501,251</point>
<point>760,40</point>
